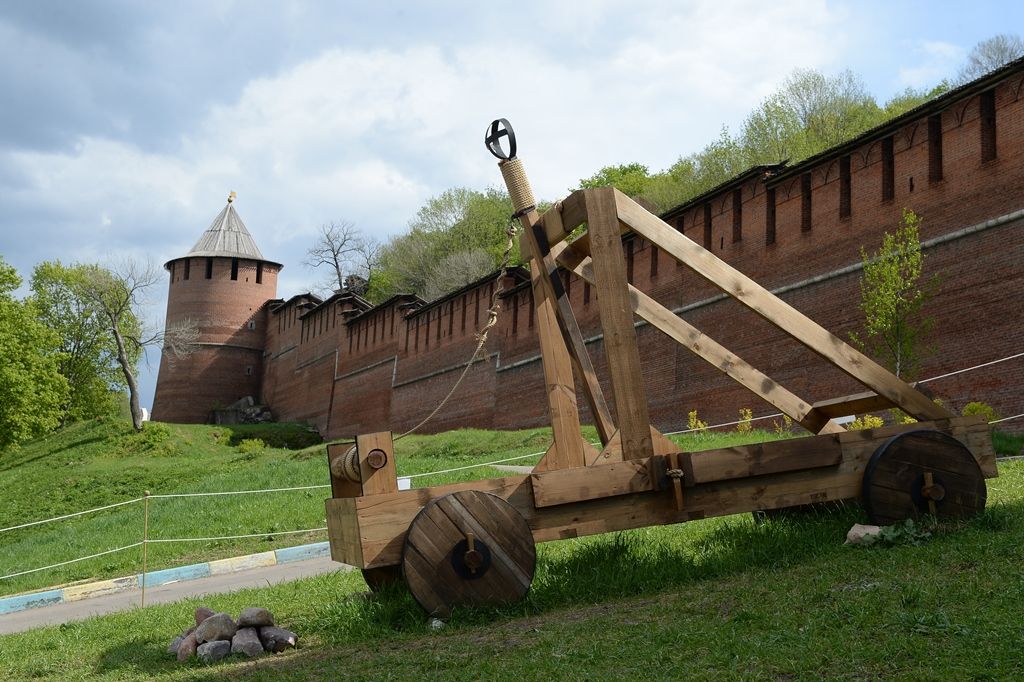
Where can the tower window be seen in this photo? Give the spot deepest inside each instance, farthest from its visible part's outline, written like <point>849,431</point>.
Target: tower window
<point>209,268</point>
<point>259,272</point>
<point>252,324</point>
<point>248,370</point>
<point>188,266</point>
<point>234,268</point>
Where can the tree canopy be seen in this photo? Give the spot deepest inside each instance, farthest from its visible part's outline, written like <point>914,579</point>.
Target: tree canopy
<point>33,392</point>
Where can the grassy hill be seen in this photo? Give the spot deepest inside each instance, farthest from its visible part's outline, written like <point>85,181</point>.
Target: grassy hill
<point>100,462</point>
<point>714,599</point>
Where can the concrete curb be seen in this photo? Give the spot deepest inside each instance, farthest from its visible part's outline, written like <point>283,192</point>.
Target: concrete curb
<point>58,595</point>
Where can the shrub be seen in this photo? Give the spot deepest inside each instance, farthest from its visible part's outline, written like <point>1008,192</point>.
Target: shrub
<point>784,426</point>
<point>746,415</point>
<point>251,446</point>
<point>980,409</point>
<point>694,422</point>
<point>868,421</point>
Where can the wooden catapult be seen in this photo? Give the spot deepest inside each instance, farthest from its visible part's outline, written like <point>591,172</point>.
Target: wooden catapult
<point>474,543</point>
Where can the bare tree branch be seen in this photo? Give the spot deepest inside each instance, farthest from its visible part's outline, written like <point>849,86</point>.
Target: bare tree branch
<point>339,246</point>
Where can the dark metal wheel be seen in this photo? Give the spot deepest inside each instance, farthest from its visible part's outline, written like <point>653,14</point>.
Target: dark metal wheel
<point>922,472</point>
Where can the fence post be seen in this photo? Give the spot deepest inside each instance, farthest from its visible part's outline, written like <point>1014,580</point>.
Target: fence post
<point>145,540</point>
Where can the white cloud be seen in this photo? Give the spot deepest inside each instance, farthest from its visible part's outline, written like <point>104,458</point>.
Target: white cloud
<point>933,61</point>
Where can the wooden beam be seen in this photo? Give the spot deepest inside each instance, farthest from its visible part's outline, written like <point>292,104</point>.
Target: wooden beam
<point>777,312</point>
<point>595,482</point>
<point>774,457</point>
<point>377,463</point>
<point>848,405</point>
<point>617,323</point>
<point>571,335</point>
<point>708,349</point>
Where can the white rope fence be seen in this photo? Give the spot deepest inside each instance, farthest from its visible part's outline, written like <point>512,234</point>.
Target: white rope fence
<point>146,540</point>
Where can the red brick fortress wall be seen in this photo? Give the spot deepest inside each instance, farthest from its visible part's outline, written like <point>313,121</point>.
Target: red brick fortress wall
<point>797,230</point>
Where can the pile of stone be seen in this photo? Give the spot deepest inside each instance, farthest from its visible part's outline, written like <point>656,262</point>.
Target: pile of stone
<point>215,635</point>
<point>244,411</point>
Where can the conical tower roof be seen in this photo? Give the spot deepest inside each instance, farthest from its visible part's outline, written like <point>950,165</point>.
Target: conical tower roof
<point>227,236</point>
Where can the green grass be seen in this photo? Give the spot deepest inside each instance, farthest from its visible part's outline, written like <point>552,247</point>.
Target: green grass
<point>714,599</point>
<point>99,462</point>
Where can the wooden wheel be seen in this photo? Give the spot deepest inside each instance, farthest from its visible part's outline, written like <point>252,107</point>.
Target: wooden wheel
<point>382,577</point>
<point>922,472</point>
<point>468,548</point>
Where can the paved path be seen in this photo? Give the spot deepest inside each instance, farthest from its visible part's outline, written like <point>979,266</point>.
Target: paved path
<point>513,469</point>
<point>171,592</point>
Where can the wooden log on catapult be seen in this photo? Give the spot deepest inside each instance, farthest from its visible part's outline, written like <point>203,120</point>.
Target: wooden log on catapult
<point>473,543</point>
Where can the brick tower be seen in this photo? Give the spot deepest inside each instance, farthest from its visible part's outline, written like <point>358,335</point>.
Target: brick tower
<point>222,286</point>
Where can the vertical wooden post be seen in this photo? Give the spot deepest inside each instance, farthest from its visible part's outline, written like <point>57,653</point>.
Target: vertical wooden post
<point>617,323</point>
<point>145,541</point>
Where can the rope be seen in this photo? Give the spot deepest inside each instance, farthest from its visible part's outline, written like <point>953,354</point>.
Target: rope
<point>243,492</point>
<point>968,369</point>
<point>1006,419</point>
<point>235,537</point>
<point>68,516</point>
<point>481,336</point>
<point>71,561</point>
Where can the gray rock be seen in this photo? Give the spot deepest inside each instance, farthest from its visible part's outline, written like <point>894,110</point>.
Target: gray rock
<point>211,652</point>
<point>255,618</point>
<point>187,647</point>
<point>277,639</point>
<point>172,648</point>
<point>202,613</point>
<point>247,642</point>
<point>219,626</point>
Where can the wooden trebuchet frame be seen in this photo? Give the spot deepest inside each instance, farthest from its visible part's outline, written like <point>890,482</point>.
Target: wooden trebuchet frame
<point>640,478</point>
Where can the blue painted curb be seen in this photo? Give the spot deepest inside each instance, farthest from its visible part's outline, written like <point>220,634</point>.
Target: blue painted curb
<point>59,595</point>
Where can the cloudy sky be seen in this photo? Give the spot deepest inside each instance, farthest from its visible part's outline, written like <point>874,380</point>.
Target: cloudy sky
<point>124,124</point>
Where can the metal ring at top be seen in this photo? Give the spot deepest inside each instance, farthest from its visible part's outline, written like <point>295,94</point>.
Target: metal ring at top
<point>492,138</point>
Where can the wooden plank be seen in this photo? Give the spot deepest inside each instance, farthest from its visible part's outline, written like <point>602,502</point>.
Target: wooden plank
<point>343,531</point>
<point>594,482</point>
<point>776,311</point>
<point>590,454</point>
<point>571,335</point>
<point>377,479</point>
<point>711,351</point>
<point>761,459</point>
<point>612,451</point>
<point>858,403</point>
<point>617,323</point>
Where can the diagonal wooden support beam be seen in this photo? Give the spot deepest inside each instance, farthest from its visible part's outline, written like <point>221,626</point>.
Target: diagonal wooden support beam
<point>706,348</point>
<point>777,312</point>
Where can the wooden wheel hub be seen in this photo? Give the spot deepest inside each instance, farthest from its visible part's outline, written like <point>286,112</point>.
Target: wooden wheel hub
<point>468,548</point>
<point>922,472</point>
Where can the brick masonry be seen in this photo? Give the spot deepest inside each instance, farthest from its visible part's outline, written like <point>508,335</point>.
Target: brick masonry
<point>350,368</point>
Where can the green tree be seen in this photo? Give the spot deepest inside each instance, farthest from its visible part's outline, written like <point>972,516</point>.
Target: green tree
<point>86,358</point>
<point>631,179</point>
<point>458,220</point>
<point>893,295</point>
<point>32,390</point>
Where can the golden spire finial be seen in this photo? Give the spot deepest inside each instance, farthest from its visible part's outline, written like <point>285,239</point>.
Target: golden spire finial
<point>232,197</point>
